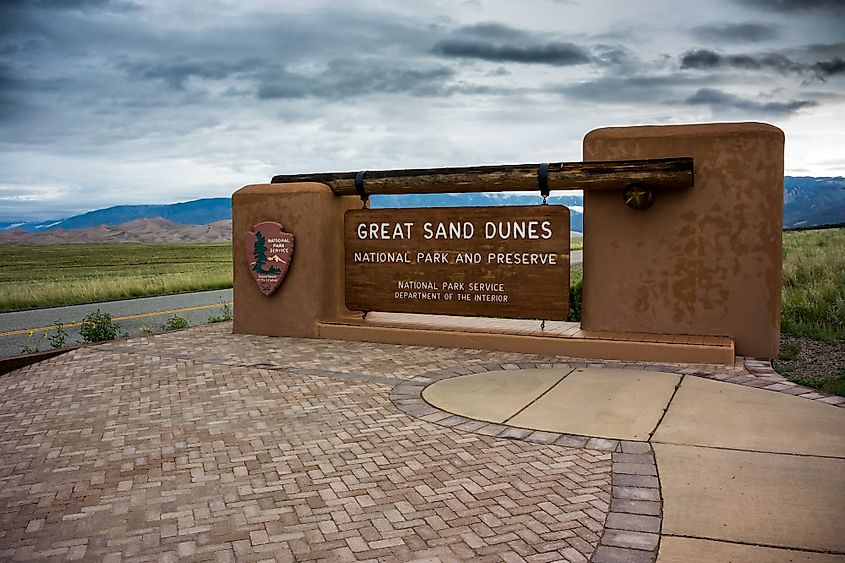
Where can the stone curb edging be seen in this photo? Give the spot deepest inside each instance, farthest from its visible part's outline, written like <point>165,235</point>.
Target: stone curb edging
<point>633,524</point>
<point>631,530</point>
<point>769,379</point>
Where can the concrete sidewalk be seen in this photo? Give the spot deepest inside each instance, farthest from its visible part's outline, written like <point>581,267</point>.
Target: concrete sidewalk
<point>202,445</point>
<point>746,473</point>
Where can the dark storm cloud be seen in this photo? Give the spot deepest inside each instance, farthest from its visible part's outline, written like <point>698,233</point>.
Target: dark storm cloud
<point>708,59</point>
<point>554,53</point>
<point>498,43</point>
<point>176,73</point>
<point>719,101</point>
<point>736,32</point>
<point>493,30</point>
<point>346,78</point>
<point>831,67</point>
<point>819,51</point>
<point>635,89</point>
<point>836,7</point>
<point>116,5</point>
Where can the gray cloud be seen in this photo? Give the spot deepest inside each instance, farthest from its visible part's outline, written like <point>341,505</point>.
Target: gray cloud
<point>736,32</point>
<point>719,100</point>
<point>109,5</point>
<point>346,78</point>
<point>830,68</point>
<point>792,6</point>
<point>778,62</point>
<point>708,59</point>
<point>634,90</point>
<point>177,72</point>
<point>493,30</point>
<point>557,54</point>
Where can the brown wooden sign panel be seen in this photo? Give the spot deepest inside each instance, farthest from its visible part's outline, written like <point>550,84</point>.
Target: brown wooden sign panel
<point>507,262</point>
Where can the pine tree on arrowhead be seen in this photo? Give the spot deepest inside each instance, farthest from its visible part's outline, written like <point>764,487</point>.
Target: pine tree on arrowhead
<point>259,252</point>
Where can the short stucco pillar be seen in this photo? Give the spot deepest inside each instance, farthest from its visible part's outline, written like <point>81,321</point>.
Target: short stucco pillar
<point>313,287</point>
<point>704,260</point>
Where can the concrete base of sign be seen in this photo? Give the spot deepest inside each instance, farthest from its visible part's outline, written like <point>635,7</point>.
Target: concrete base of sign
<point>512,335</point>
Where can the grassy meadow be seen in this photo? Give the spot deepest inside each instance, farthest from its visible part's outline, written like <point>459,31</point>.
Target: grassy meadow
<point>42,276</point>
<point>45,276</point>
<point>814,284</point>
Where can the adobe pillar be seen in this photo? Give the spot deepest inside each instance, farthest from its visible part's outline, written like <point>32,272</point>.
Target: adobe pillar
<point>703,261</point>
<point>313,287</point>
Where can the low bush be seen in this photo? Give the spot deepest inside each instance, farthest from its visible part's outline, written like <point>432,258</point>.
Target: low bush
<point>59,339</point>
<point>176,323</point>
<point>98,327</point>
<point>224,315</point>
<point>576,287</point>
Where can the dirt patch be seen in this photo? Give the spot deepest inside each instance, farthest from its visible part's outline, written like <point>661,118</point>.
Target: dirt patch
<point>814,363</point>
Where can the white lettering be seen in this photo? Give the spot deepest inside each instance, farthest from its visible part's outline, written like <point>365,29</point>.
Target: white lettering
<point>547,229</point>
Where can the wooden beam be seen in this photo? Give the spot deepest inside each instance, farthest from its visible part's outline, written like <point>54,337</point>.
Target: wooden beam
<point>663,173</point>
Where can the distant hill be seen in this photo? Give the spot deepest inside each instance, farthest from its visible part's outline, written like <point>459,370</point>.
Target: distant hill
<point>808,202</point>
<point>813,201</point>
<point>139,230</point>
<point>197,212</point>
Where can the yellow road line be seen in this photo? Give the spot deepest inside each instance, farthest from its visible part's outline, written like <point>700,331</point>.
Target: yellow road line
<point>125,318</point>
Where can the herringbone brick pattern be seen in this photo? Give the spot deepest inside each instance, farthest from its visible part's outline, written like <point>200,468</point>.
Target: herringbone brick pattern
<point>185,446</point>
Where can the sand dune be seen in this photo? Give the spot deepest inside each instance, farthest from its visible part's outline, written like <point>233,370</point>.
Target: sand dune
<point>139,230</point>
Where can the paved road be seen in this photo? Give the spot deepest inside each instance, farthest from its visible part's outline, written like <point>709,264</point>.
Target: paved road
<point>148,311</point>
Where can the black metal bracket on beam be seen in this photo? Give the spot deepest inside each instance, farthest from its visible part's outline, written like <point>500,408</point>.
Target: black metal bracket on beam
<point>543,180</point>
<point>359,187</point>
<point>638,196</point>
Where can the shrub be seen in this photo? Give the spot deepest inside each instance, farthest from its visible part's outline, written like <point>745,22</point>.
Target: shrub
<point>98,327</point>
<point>576,286</point>
<point>176,323</point>
<point>58,340</point>
<point>33,346</point>
<point>224,315</point>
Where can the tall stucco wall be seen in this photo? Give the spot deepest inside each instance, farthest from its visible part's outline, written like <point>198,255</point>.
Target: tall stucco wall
<point>313,287</point>
<point>705,260</point>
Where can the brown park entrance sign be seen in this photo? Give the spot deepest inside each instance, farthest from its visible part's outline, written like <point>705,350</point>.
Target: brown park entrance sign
<point>507,262</point>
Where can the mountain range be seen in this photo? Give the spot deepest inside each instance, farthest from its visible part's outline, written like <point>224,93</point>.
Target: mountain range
<point>808,202</point>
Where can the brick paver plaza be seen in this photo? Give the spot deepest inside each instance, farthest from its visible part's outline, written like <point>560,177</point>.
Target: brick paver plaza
<point>203,445</point>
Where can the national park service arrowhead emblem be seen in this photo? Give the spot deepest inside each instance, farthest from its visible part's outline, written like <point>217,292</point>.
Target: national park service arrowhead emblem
<point>269,251</point>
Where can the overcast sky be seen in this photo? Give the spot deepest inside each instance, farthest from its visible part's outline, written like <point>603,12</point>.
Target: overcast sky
<point>106,102</point>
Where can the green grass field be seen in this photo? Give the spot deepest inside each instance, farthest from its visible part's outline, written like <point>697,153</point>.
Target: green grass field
<point>44,276</point>
<point>814,284</point>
